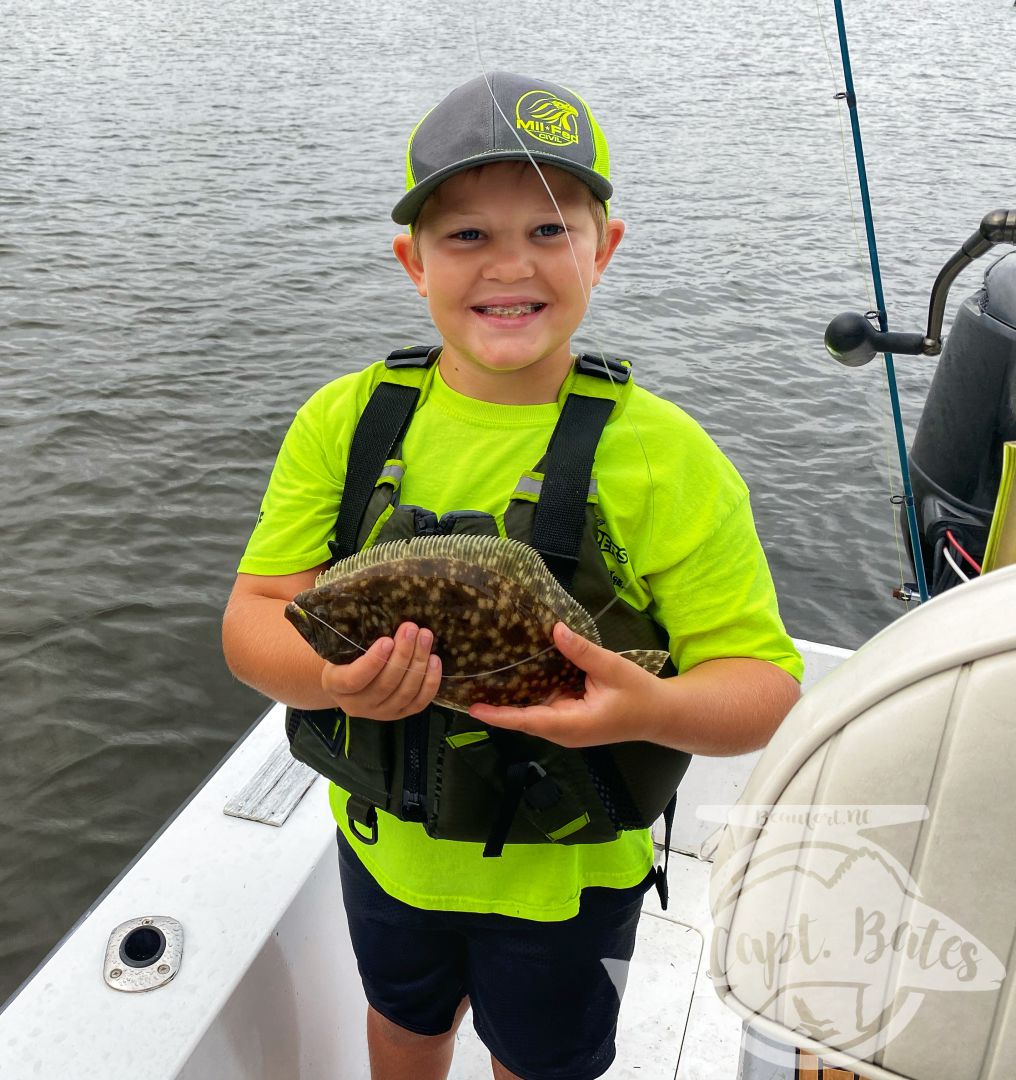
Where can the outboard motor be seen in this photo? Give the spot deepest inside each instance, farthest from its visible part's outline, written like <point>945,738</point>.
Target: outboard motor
<point>956,458</point>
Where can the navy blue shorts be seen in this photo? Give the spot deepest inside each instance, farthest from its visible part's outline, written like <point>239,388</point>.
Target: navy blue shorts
<point>543,1002</point>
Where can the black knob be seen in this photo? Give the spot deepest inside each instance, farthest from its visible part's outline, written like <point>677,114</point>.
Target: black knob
<point>850,338</point>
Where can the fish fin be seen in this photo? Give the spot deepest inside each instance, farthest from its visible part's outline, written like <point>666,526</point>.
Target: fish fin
<point>445,703</point>
<point>373,556</point>
<point>510,558</point>
<point>650,659</point>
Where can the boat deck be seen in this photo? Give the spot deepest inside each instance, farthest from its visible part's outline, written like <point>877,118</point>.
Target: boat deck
<point>268,988</point>
<point>672,1025</point>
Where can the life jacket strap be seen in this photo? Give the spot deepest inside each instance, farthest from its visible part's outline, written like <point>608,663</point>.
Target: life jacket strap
<point>360,811</point>
<point>382,425</point>
<point>517,775</point>
<point>560,517</point>
<point>662,888</point>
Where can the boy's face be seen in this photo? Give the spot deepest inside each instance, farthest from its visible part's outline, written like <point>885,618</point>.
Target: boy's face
<point>504,289</point>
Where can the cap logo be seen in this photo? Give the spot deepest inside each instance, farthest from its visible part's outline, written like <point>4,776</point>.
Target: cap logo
<point>547,118</point>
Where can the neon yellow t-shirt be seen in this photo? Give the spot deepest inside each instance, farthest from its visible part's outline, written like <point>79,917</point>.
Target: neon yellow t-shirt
<point>676,531</point>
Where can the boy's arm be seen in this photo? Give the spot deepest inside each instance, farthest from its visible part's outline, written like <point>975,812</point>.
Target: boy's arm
<point>262,649</point>
<point>393,678</point>
<point>720,707</point>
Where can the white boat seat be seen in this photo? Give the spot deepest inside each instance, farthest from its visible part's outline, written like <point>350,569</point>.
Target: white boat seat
<point>864,888</point>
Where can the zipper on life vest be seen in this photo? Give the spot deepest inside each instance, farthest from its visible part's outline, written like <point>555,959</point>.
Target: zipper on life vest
<point>414,779</point>
<point>414,770</point>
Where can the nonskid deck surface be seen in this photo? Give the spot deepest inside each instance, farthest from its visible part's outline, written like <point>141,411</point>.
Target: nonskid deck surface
<point>672,1025</point>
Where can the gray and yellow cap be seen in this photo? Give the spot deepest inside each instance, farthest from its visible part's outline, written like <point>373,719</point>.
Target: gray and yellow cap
<point>477,124</point>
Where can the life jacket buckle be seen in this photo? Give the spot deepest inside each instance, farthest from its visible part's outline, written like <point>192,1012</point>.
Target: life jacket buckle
<point>603,367</point>
<point>540,792</point>
<point>413,356</point>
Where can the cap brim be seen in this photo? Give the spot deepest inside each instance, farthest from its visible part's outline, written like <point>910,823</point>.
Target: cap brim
<point>408,207</point>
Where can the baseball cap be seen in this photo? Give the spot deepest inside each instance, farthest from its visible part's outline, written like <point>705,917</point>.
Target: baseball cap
<point>477,124</point>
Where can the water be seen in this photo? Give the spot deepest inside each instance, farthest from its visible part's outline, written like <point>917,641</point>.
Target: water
<point>194,236</point>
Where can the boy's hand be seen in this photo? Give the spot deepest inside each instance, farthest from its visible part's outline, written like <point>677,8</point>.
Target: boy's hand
<point>394,677</point>
<point>619,700</point>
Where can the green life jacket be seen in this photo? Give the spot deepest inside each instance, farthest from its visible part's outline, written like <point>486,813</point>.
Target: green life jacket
<point>461,779</point>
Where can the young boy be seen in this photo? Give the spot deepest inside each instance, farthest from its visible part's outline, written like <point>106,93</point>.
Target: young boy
<point>507,270</point>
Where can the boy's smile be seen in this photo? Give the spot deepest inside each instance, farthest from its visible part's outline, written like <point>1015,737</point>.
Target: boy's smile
<point>505,288</point>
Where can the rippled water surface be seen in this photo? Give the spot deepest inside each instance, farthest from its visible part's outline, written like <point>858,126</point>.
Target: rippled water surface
<point>194,235</point>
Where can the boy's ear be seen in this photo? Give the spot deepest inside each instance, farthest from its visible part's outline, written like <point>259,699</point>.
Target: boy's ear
<point>405,252</point>
<point>614,232</point>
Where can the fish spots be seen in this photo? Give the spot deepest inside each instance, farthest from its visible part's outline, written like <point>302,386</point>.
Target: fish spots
<point>490,603</point>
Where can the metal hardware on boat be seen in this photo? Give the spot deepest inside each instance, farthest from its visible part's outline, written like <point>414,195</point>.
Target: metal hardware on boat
<point>143,953</point>
<point>852,340</point>
<point>906,592</point>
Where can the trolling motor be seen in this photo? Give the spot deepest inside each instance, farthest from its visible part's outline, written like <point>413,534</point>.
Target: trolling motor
<point>970,411</point>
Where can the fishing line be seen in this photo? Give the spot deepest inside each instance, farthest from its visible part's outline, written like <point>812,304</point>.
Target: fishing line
<point>586,293</point>
<point>878,304</point>
<point>475,675</point>
<point>886,414</point>
<point>587,297</point>
<point>846,162</point>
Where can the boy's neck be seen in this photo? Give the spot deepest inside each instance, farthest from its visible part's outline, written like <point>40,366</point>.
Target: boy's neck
<point>537,384</point>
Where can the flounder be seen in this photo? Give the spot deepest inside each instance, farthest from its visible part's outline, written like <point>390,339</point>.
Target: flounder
<point>491,604</point>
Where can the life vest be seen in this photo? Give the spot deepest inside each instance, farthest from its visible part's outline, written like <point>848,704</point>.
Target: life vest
<point>462,779</point>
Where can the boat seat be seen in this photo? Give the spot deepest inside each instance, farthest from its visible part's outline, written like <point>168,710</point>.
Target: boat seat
<point>864,887</point>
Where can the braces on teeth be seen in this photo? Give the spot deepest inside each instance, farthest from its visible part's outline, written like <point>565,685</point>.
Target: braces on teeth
<point>514,310</point>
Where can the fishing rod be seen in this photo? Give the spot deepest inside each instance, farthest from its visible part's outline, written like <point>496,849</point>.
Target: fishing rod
<point>853,340</point>
<point>891,341</point>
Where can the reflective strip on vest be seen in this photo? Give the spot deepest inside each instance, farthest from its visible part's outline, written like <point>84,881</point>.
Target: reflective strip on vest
<point>393,473</point>
<point>529,485</point>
